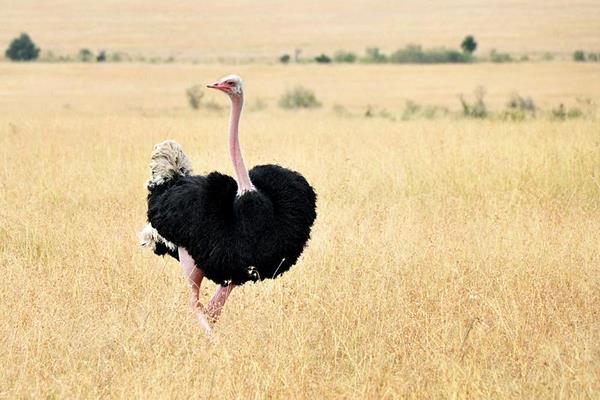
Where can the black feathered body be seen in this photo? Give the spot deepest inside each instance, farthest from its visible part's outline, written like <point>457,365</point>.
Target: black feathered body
<point>229,236</point>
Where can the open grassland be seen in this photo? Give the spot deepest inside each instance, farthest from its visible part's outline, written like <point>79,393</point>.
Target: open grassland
<point>450,258</point>
<point>151,90</point>
<point>267,28</point>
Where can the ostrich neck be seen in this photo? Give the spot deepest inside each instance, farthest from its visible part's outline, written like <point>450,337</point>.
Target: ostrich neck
<point>243,179</point>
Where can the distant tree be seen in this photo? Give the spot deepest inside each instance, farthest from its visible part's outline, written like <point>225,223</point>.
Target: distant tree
<point>592,57</point>
<point>343,56</point>
<point>323,59</point>
<point>579,55</point>
<point>86,55</point>
<point>373,55</point>
<point>22,48</point>
<point>469,45</point>
<point>284,59</point>
<point>101,57</point>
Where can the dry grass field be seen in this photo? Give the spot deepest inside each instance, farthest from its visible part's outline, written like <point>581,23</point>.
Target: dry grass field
<point>267,28</point>
<point>450,259</point>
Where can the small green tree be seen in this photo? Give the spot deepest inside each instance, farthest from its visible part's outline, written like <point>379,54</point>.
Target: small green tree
<point>284,59</point>
<point>86,55</point>
<point>101,57</point>
<point>373,55</point>
<point>469,45</point>
<point>343,56</point>
<point>579,55</point>
<point>323,59</point>
<point>22,48</point>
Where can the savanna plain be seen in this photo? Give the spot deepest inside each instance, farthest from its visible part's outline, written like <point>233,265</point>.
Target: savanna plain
<point>451,258</point>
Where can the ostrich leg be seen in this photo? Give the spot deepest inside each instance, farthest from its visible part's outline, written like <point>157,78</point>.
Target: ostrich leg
<point>215,305</point>
<point>194,276</point>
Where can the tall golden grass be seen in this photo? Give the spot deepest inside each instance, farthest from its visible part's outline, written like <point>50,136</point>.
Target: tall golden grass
<point>450,258</point>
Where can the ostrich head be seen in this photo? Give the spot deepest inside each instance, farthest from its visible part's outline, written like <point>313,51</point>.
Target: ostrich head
<point>231,85</point>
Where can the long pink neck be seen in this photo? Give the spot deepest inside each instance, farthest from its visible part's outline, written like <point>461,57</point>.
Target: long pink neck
<point>243,179</point>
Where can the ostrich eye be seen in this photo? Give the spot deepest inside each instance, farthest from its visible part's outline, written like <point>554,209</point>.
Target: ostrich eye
<point>231,83</point>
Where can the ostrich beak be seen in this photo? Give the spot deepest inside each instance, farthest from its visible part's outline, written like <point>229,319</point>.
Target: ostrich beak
<point>216,85</point>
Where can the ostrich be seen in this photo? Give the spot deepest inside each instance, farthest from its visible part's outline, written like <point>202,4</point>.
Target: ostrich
<point>227,230</point>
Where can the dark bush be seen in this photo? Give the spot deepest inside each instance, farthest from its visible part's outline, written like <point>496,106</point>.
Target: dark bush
<point>85,55</point>
<point>285,58</point>
<point>101,57</point>
<point>22,48</point>
<point>299,97</point>
<point>469,45</point>
<point>342,56</point>
<point>579,55</point>
<point>593,57</point>
<point>323,59</point>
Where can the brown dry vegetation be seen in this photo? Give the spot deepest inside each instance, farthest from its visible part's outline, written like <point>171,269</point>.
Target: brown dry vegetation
<point>242,28</point>
<point>450,258</point>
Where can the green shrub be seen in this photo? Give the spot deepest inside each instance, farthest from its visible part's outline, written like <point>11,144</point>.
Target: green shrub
<point>85,55</point>
<point>433,111</point>
<point>593,57</point>
<point>411,109</point>
<point>101,57</point>
<point>194,95</point>
<point>518,108</point>
<point>342,56</point>
<point>373,55</point>
<point>379,113</point>
<point>285,58</point>
<point>299,97</point>
<point>469,45</point>
<point>559,112</point>
<point>323,59</point>
<point>579,55</point>
<point>477,109</point>
<point>22,48</point>
<point>562,113</point>
<point>574,112</point>
<point>547,56</point>
<point>414,54</point>
<point>497,57</point>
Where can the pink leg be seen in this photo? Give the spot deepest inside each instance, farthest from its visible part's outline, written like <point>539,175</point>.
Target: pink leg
<point>194,276</point>
<point>215,305</point>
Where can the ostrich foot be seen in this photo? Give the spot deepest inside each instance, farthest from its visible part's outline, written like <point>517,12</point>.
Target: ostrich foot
<point>201,317</point>
<point>215,305</point>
